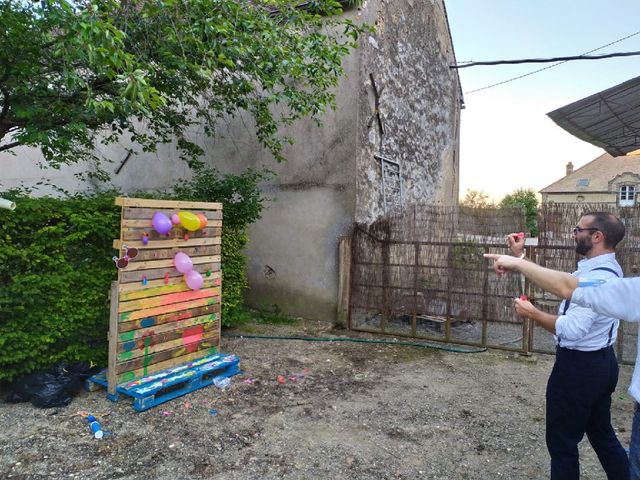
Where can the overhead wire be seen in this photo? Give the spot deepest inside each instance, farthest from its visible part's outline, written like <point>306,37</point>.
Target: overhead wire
<point>546,60</point>
<point>549,66</point>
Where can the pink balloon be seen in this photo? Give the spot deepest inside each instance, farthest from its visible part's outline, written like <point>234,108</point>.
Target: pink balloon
<point>175,219</point>
<point>194,280</point>
<point>161,223</point>
<point>183,262</point>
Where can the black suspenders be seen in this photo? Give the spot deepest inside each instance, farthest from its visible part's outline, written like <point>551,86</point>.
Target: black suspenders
<point>568,302</point>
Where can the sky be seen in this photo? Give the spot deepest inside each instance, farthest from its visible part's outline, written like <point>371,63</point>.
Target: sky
<point>507,141</point>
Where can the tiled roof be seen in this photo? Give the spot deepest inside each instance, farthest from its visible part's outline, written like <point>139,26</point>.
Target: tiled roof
<point>595,175</point>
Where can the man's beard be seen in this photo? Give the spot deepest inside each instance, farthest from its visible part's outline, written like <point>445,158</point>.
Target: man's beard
<point>583,245</point>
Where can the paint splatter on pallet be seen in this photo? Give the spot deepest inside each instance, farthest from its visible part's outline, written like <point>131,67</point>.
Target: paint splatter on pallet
<point>171,383</point>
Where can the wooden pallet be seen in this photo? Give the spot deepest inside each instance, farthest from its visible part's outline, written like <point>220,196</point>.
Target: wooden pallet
<point>173,382</point>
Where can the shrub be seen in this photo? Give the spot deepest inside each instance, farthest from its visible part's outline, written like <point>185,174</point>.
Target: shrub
<point>55,271</point>
<point>242,204</point>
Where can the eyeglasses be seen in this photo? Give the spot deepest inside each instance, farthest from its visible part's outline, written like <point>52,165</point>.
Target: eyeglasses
<point>577,229</point>
<point>129,254</point>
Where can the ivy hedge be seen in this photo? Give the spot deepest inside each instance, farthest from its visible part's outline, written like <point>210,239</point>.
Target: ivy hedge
<point>56,268</point>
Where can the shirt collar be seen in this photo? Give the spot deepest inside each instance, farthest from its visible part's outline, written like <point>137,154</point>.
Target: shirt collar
<point>590,263</point>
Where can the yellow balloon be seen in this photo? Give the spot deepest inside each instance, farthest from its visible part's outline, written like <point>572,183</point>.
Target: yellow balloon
<point>189,221</point>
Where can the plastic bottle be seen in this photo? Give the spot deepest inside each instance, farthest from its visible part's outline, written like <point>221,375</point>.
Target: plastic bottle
<point>222,382</point>
<point>96,429</point>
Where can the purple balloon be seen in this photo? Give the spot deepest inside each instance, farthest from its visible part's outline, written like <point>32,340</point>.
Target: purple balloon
<point>183,262</point>
<point>194,280</point>
<point>161,223</point>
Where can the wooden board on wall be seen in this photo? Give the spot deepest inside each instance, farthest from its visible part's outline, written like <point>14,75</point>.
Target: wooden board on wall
<point>157,321</point>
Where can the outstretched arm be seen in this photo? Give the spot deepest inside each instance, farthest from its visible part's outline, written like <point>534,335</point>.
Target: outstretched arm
<point>559,283</point>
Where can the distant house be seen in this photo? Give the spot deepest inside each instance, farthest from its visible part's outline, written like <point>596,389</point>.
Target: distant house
<point>606,179</point>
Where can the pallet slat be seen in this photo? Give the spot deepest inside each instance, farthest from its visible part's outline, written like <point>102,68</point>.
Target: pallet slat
<point>168,317</point>
<point>156,273</point>
<point>135,265</point>
<point>139,333</point>
<point>174,307</point>
<point>152,203</point>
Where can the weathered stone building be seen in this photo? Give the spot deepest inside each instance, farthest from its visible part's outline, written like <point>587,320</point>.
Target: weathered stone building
<point>392,142</point>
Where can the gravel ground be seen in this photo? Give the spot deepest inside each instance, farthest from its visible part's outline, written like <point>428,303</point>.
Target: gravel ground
<point>356,410</point>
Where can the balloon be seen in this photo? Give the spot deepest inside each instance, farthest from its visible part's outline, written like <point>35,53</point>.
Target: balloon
<point>183,262</point>
<point>194,280</point>
<point>175,219</point>
<point>203,220</point>
<point>189,221</point>
<point>161,223</point>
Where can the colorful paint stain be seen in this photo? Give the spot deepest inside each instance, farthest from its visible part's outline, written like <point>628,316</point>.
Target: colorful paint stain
<point>167,372</point>
<point>147,340</point>
<point>166,309</point>
<point>191,337</point>
<point>147,322</point>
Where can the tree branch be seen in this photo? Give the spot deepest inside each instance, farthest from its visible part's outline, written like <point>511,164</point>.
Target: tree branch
<point>9,146</point>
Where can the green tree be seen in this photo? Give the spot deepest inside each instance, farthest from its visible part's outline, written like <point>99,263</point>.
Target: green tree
<point>476,199</point>
<point>74,73</point>
<point>528,201</point>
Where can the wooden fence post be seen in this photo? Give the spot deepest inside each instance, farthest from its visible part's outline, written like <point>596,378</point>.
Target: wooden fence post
<point>113,340</point>
<point>344,281</point>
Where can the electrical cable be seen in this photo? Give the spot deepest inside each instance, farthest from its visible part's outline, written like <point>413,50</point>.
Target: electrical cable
<point>546,60</point>
<point>550,66</point>
<point>356,340</point>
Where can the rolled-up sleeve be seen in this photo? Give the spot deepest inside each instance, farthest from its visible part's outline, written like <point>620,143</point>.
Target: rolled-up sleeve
<point>576,323</point>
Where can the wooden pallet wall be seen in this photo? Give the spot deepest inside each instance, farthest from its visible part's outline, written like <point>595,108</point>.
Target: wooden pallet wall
<point>157,321</point>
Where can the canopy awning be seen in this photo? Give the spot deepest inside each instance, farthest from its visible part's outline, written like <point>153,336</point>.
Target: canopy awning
<point>609,119</point>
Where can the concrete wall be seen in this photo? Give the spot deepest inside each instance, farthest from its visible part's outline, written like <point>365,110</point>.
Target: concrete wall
<point>331,178</point>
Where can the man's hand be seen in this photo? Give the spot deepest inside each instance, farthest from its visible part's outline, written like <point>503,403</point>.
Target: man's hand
<point>515,242</point>
<point>503,263</point>
<point>524,308</point>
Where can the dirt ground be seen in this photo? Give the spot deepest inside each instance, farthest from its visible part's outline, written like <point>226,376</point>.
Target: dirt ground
<point>356,410</point>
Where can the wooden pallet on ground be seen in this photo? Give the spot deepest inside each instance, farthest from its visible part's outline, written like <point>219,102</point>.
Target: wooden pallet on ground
<point>160,387</point>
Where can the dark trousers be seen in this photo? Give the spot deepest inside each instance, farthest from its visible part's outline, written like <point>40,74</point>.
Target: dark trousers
<point>578,402</point>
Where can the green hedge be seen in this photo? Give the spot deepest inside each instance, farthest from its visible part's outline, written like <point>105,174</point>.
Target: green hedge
<point>56,269</point>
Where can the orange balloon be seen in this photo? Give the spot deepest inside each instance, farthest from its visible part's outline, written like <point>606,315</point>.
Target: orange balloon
<point>203,220</point>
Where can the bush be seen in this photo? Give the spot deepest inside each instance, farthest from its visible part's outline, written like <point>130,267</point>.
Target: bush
<point>242,204</point>
<point>55,269</point>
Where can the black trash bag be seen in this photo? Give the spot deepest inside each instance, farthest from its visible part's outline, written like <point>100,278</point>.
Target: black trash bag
<point>53,388</point>
<point>57,393</point>
<point>26,387</point>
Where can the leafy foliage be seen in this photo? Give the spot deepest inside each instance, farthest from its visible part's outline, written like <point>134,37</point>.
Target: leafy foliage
<point>55,271</point>
<point>76,72</point>
<point>476,199</point>
<point>242,205</point>
<point>528,201</point>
